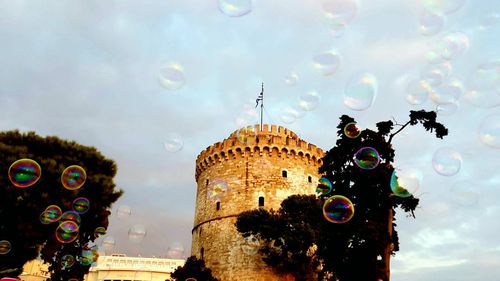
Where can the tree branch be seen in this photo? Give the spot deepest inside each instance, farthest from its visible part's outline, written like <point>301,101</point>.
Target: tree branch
<point>395,133</point>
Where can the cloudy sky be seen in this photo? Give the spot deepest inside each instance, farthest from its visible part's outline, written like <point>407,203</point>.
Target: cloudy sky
<point>152,83</point>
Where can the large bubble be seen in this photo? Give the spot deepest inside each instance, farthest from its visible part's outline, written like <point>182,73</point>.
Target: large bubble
<point>324,186</point>
<point>431,23</point>
<point>5,247</point>
<point>397,188</point>
<point>489,131</point>
<point>309,100</point>
<point>73,177</point>
<point>137,233</point>
<point>360,91</point>
<point>351,130</point>
<point>235,8</point>
<point>171,76</point>
<point>408,178</point>
<point>446,161</point>
<point>326,63</point>
<point>367,158</point>
<point>338,209</point>
<point>24,173</point>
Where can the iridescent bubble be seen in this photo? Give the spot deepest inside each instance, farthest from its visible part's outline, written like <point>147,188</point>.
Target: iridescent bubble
<point>235,8</point>
<point>396,188</point>
<point>446,161</point>
<point>417,92</point>
<point>173,143</point>
<point>342,10</point>
<point>51,214</point>
<point>99,231</point>
<point>351,130</point>
<point>448,92</point>
<point>216,189</point>
<point>337,27</point>
<point>360,91</point>
<point>24,173</point>
<point>89,256</point>
<point>367,158</point>
<point>250,245</point>
<point>137,233</point>
<point>81,205</point>
<point>326,63</point>
<point>464,193</point>
<point>246,134</point>
<point>453,44</point>
<point>444,6</point>
<point>408,178</point>
<point>108,243</point>
<point>446,109</point>
<point>67,232</point>
<point>171,76</point>
<point>287,118</point>
<point>73,177</point>
<point>175,251</point>
<point>67,261</point>
<point>123,211</point>
<point>296,111</point>
<point>435,74</point>
<point>324,186</point>
<point>489,131</point>
<point>5,247</point>
<point>309,100</point>
<point>291,79</point>
<point>191,279</point>
<point>338,209</point>
<point>431,23</point>
<point>71,216</point>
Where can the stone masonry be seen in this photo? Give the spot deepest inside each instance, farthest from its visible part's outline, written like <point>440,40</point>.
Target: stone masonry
<point>260,168</point>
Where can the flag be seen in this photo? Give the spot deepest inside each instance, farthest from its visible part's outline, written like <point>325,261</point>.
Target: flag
<point>260,97</point>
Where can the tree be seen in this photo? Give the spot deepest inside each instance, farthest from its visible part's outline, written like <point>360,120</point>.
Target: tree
<point>195,269</point>
<point>297,238</point>
<point>21,208</point>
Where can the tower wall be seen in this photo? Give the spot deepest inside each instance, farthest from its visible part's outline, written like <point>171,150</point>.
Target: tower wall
<point>251,169</point>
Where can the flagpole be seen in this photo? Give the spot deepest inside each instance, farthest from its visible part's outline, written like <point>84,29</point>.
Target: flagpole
<point>262,106</point>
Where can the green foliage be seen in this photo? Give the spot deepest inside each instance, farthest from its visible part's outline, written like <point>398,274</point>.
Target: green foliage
<point>297,239</point>
<point>20,208</point>
<point>193,268</point>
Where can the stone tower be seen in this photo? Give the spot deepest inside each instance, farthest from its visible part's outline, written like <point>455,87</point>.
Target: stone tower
<point>248,170</point>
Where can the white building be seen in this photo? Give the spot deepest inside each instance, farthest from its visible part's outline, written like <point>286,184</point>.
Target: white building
<point>119,267</point>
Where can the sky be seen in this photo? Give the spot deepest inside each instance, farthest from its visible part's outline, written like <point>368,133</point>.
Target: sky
<point>153,83</point>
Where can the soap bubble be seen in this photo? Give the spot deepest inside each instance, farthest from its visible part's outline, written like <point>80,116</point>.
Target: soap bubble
<point>489,131</point>
<point>5,247</point>
<point>453,44</point>
<point>171,76</point>
<point>351,130</point>
<point>338,209</point>
<point>137,233</point>
<point>51,214</point>
<point>360,91</point>
<point>397,188</point>
<point>324,186</point>
<point>235,8</point>
<point>175,251</point>
<point>287,118</point>
<point>99,231</point>
<point>24,173</point>
<point>443,6</point>
<point>81,205</point>
<point>89,256</point>
<point>448,92</point>
<point>337,26</point>
<point>67,261</point>
<point>71,216</point>
<point>73,177</point>
<point>246,134</point>
<point>446,109</point>
<point>216,189</point>
<point>191,279</point>
<point>435,74</point>
<point>250,245</point>
<point>309,100</point>
<point>446,161</point>
<point>342,10</point>
<point>408,178</point>
<point>326,63</point>
<point>367,158</point>
<point>67,232</point>
<point>484,85</point>
<point>417,92</point>
<point>291,79</point>
<point>108,243</point>
<point>464,193</point>
<point>173,143</point>
<point>431,23</point>
<point>123,211</point>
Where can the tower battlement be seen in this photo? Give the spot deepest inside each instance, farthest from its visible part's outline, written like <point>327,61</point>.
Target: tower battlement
<point>271,140</point>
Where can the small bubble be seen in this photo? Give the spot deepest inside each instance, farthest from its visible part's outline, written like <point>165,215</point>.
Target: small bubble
<point>453,45</point>
<point>326,63</point>
<point>137,233</point>
<point>175,251</point>
<point>360,91</point>
<point>250,245</point>
<point>309,101</point>
<point>108,243</point>
<point>5,247</point>
<point>489,131</point>
<point>417,92</point>
<point>448,92</point>
<point>446,109</point>
<point>235,8</point>
<point>431,23</point>
<point>73,177</point>
<point>291,80</point>
<point>173,143</point>
<point>407,180</point>
<point>123,212</point>
<point>342,10</point>
<point>171,76</point>
<point>367,158</point>
<point>338,209</point>
<point>446,161</point>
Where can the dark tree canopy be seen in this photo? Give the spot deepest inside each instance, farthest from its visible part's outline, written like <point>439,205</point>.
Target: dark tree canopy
<point>297,239</point>
<point>20,208</point>
<point>193,268</point>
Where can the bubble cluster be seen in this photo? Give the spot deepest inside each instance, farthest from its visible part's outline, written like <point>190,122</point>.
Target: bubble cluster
<point>24,173</point>
<point>81,205</point>
<point>417,92</point>
<point>51,214</point>
<point>396,188</point>
<point>171,76</point>
<point>5,247</point>
<point>73,177</point>
<point>67,232</point>
<point>235,8</point>
<point>216,189</point>
<point>173,143</point>
<point>137,233</point>
<point>250,245</point>
<point>326,63</point>
<point>351,130</point>
<point>489,131</point>
<point>67,261</point>
<point>309,100</point>
<point>123,211</point>
<point>367,158</point>
<point>446,161</point>
<point>324,186</point>
<point>99,231</point>
<point>338,209</point>
<point>360,91</point>
<point>245,134</point>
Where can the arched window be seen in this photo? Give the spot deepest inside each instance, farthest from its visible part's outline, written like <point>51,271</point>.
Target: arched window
<point>217,205</point>
<point>261,201</point>
<point>284,173</point>
<point>309,179</point>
